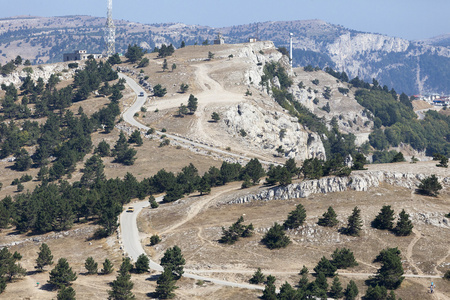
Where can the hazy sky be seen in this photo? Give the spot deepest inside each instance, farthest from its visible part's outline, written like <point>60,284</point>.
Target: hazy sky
<point>410,19</point>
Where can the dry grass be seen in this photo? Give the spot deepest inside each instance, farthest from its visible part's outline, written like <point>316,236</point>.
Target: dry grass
<point>197,235</point>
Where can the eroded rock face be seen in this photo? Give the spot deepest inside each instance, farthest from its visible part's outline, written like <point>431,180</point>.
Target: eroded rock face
<point>269,129</point>
<point>361,181</point>
<point>43,71</point>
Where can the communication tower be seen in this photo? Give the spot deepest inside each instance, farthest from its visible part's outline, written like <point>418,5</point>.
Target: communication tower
<point>110,32</point>
<point>290,53</point>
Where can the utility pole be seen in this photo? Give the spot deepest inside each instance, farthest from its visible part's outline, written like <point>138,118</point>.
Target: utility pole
<point>110,32</point>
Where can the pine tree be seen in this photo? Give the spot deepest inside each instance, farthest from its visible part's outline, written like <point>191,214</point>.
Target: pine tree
<point>351,292</point>
<point>126,265</point>
<point>44,258</point>
<point>354,224</point>
<point>9,266</point>
<point>142,264</point>
<point>303,283</point>
<point>385,219</point>
<point>66,293</point>
<point>295,218</point>
<point>304,270</point>
<point>166,285</point>
<point>107,267</point>
<point>154,239</point>
<point>122,286</point>
<point>287,292</point>
<point>269,292</point>
<point>91,266</point>
<point>343,258</point>
<point>390,273</point>
<point>192,104</point>
<point>430,186</point>
<point>258,277</point>
<point>276,237</point>
<point>136,138</point>
<point>328,218</point>
<point>376,293</point>
<point>326,267</point>
<point>404,226</point>
<point>62,274</point>
<point>336,289</point>
<point>321,281</point>
<point>173,260</point>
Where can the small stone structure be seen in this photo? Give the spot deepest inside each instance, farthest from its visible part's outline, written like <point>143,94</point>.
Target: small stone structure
<point>219,39</point>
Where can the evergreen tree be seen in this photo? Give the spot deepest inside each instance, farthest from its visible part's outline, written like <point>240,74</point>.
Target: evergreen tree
<point>376,293</point>
<point>351,291</point>
<point>269,292</point>
<point>165,65</point>
<point>321,281</point>
<point>204,186</point>
<point>295,218</point>
<point>173,260</point>
<point>385,219</point>
<point>287,292</point>
<point>354,223</point>
<point>93,171</point>
<point>276,237</point>
<point>404,226</point>
<point>336,291</point>
<point>326,267</point>
<point>303,283</point>
<point>154,239</point>
<point>328,218</point>
<point>258,277</point>
<point>108,267</point>
<point>122,152</point>
<point>91,266</point>
<point>142,264</point>
<point>134,53</point>
<point>430,186</point>
<point>23,160</point>
<point>9,266</point>
<point>390,273</point>
<point>126,265</point>
<point>44,258</point>
<point>122,286</point>
<point>215,116</point>
<point>304,270</point>
<point>166,285</point>
<point>192,103</point>
<point>253,169</point>
<point>66,293</point>
<point>343,258</point>
<point>103,149</point>
<point>136,138</point>
<point>62,274</point>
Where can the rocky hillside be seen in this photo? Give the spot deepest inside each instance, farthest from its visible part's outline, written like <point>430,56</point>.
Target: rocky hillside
<point>408,66</point>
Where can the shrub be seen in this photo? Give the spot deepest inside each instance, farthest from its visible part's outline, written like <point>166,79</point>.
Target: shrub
<point>154,239</point>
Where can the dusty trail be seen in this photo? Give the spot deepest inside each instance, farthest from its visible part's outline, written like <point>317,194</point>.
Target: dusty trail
<point>197,207</point>
<point>409,251</point>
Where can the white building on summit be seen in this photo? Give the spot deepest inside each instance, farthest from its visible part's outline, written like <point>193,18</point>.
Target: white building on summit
<point>79,55</point>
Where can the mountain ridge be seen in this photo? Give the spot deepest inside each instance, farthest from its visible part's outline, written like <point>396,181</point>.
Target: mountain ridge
<point>412,67</point>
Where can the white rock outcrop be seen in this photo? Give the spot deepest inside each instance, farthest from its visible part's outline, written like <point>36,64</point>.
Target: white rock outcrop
<point>268,129</point>
<point>360,181</point>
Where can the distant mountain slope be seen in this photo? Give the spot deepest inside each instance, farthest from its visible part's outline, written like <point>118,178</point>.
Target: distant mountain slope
<point>408,66</point>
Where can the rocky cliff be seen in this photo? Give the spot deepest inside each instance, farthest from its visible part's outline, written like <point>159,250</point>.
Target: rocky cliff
<point>358,181</point>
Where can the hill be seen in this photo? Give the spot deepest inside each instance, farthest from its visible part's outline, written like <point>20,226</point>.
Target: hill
<point>262,104</point>
<point>409,66</point>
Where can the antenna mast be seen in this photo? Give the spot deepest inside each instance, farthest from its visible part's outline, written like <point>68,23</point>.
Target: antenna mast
<point>110,30</point>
